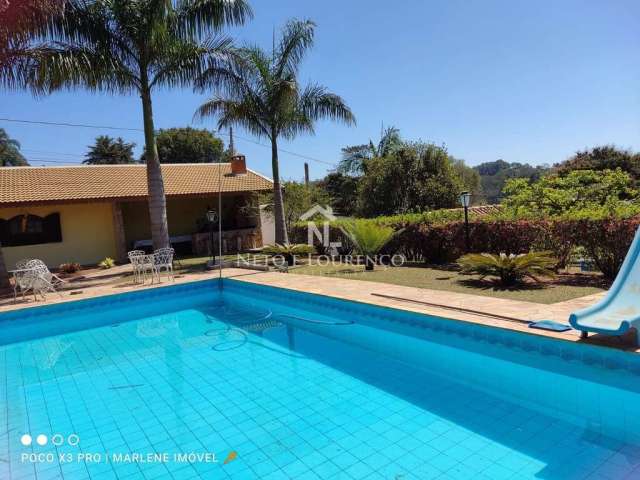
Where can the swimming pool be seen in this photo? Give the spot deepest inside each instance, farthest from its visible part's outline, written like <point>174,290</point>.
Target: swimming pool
<point>283,384</point>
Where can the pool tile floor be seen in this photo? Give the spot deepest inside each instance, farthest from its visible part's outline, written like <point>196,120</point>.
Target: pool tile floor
<point>322,409</point>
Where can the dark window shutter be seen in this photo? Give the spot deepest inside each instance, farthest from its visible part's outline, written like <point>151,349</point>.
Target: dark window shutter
<point>38,230</point>
<point>4,232</point>
<point>51,228</point>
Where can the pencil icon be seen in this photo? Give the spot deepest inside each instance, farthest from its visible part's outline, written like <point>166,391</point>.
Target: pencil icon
<point>231,457</point>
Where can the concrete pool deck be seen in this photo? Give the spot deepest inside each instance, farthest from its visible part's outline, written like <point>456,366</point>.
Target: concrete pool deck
<point>375,293</point>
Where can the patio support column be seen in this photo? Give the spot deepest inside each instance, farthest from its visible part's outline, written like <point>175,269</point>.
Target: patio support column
<point>118,231</point>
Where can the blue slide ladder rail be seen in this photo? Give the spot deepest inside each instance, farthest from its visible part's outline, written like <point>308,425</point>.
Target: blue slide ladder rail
<point>618,295</point>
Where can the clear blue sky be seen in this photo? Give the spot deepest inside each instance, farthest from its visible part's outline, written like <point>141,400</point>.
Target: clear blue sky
<point>526,81</point>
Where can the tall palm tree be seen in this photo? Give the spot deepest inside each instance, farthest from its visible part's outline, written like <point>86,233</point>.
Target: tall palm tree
<point>124,46</point>
<point>259,91</point>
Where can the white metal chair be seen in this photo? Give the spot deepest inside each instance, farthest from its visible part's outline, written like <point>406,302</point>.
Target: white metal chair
<point>163,260</point>
<point>42,280</point>
<point>147,266</point>
<point>136,259</point>
<point>22,281</point>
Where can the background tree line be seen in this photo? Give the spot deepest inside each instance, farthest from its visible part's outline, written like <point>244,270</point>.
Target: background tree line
<point>175,145</point>
<point>397,177</point>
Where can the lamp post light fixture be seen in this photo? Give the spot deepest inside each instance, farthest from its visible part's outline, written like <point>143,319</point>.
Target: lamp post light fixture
<point>212,217</point>
<point>465,201</point>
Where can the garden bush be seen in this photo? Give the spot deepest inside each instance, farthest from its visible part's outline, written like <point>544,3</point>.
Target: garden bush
<point>606,240</point>
<point>510,269</point>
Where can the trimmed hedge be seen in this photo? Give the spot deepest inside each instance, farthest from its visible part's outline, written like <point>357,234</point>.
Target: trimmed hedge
<point>605,241</point>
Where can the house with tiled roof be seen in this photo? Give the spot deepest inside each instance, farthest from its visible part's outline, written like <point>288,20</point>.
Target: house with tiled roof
<point>86,213</point>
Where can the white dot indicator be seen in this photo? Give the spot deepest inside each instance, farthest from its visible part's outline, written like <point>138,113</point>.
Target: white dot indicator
<point>57,439</point>
<point>42,440</point>
<point>73,439</point>
<point>25,440</point>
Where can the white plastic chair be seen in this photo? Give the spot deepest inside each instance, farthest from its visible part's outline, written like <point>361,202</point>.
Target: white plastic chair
<point>163,259</point>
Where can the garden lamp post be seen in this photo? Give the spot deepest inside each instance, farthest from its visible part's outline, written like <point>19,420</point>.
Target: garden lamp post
<point>212,217</point>
<point>465,201</point>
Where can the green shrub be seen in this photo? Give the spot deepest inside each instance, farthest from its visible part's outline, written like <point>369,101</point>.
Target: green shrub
<point>107,263</point>
<point>368,238</point>
<point>510,269</point>
<point>605,239</point>
<point>70,267</point>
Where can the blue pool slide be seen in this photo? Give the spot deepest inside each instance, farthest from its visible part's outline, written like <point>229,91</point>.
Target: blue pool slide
<point>619,311</point>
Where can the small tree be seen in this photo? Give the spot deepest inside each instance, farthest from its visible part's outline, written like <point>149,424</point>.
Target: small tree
<point>188,145</point>
<point>297,198</point>
<point>607,157</point>
<point>469,177</point>
<point>368,238</point>
<point>416,177</point>
<point>354,157</point>
<point>343,192</point>
<point>109,151</point>
<point>510,269</point>
<point>573,194</point>
<point>10,155</point>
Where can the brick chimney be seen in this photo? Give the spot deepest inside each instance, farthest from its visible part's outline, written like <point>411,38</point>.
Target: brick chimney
<point>238,165</point>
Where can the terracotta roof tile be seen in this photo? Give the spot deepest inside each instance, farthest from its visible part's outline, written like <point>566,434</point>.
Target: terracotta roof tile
<point>98,182</point>
<point>481,210</point>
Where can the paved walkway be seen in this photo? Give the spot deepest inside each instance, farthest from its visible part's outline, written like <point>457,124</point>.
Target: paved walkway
<point>101,283</point>
<point>368,292</point>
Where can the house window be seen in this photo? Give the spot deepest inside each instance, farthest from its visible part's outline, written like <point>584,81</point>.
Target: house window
<point>30,230</point>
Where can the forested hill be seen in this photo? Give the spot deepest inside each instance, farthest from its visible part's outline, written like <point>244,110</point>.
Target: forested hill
<point>493,176</point>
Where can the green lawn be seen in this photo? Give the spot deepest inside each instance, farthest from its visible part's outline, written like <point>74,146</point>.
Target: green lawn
<point>564,287</point>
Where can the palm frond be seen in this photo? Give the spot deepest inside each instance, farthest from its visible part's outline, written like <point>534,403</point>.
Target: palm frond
<point>317,103</point>
<point>231,112</point>
<point>261,91</point>
<point>184,60</point>
<point>199,18</point>
<point>70,66</point>
<point>296,39</point>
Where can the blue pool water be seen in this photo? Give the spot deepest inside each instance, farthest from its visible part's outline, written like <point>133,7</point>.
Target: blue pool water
<point>303,387</point>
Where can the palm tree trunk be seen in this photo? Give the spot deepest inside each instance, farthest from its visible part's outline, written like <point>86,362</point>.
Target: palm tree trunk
<point>278,205</point>
<point>4,274</point>
<point>155,184</point>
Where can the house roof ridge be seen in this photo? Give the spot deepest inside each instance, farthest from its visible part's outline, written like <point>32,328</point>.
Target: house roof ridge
<point>110,165</point>
<point>101,182</point>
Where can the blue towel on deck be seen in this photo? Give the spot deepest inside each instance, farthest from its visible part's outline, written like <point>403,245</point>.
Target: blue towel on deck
<point>550,325</point>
